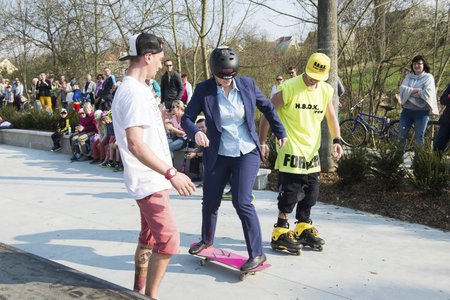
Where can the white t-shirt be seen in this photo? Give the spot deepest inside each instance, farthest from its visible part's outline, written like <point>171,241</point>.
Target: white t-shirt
<point>134,105</point>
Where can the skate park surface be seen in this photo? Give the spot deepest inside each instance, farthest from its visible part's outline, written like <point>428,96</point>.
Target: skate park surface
<point>80,216</point>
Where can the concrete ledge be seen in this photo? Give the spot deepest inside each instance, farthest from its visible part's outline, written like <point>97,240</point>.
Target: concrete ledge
<point>35,139</point>
<point>41,140</point>
<point>261,179</point>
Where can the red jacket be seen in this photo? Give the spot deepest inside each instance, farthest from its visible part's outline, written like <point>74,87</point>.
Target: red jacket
<point>88,123</point>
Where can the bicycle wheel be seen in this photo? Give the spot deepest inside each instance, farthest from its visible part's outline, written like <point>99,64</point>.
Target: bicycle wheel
<point>393,132</point>
<point>353,132</point>
<point>393,135</point>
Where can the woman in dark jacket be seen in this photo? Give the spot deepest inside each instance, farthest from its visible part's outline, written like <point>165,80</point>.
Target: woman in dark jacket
<point>443,136</point>
<point>231,146</point>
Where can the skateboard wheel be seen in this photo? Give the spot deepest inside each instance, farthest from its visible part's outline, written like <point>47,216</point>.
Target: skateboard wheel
<point>298,253</point>
<point>202,262</point>
<point>242,276</point>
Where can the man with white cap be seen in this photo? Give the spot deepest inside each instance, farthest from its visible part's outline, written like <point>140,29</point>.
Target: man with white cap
<point>148,170</point>
<point>301,103</point>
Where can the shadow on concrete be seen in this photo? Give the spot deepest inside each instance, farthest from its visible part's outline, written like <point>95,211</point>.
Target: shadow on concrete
<point>59,245</point>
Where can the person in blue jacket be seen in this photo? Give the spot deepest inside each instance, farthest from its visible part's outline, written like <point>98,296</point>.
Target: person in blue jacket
<point>443,136</point>
<point>231,146</point>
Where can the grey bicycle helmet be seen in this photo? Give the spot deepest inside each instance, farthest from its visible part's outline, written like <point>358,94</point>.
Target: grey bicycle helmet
<point>224,62</point>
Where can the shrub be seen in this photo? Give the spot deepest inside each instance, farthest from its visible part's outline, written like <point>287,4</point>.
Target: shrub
<point>354,166</point>
<point>272,144</point>
<point>36,120</point>
<point>430,172</point>
<point>386,165</point>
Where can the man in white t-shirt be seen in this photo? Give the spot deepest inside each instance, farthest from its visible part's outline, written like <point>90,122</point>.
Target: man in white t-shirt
<point>148,170</point>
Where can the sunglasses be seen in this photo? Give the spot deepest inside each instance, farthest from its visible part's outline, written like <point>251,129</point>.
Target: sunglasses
<point>279,79</point>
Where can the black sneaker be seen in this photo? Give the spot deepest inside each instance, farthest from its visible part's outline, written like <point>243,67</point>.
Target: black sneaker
<point>95,161</point>
<point>111,165</point>
<point>196,179</point>
<point>118,168</point>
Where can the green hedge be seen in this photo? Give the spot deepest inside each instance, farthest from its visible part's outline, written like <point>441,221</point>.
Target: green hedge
<point>36,120</point>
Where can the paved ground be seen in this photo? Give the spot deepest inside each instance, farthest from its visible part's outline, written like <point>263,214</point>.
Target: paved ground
<point>80,216</point>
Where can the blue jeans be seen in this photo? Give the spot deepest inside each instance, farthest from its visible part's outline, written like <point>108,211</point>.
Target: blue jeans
<point>409,117</point>
<point>176,143</point>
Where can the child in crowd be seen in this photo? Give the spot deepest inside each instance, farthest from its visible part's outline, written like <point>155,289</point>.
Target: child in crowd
<point>86,129</point>
<point>196,155</point>
<point>95,139</point>
<point>9,95</point>
<point>114,157</point>
<point>77,97</point>
<point>61,128</point>
<point>107,139</point>
<point>98,148</point>
<point>175,133</point>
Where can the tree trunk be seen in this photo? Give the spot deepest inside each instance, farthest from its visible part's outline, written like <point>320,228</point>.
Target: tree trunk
<point>380,28</point>
<point>175,36</point>
<point>327,43</point>
<point>379,69</point>
<point>96,39</point>
<point>203,39</point>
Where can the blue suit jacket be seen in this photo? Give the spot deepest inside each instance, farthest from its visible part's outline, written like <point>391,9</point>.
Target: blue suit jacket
<point>205,100</point>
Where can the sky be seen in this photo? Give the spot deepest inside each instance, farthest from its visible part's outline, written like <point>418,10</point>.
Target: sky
<point>275,25</point>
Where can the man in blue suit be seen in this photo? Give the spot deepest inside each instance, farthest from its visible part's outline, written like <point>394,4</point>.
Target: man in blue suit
<point>231,146</point>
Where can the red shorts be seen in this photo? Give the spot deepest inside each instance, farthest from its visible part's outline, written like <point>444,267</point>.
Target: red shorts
<point>158,227</point>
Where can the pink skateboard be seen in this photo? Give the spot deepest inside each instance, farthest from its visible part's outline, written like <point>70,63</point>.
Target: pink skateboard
<point>228,258</point>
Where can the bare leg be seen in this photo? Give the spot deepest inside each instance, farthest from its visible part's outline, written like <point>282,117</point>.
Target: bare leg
<point>158,265</point>
<point>283,215</point>
<point>141,259</point>
<point>117,155</point>
<point>111,151</point>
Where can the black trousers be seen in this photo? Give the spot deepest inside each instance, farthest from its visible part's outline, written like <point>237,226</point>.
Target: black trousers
<point>298,189</point>
<point>56,137</point>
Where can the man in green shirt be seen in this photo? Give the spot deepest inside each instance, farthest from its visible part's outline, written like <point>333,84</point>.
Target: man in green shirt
<point>301,103</point>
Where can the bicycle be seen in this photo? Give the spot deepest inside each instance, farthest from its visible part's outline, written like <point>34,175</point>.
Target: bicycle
<point>354,131</point>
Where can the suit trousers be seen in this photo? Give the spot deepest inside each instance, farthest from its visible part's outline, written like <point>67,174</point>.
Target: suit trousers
<point>243,171</point>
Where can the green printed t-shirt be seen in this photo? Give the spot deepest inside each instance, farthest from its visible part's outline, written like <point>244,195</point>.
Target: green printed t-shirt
<point>301,115</point>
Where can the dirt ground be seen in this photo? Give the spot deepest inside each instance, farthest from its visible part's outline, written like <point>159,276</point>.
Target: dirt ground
<point>405,203</point>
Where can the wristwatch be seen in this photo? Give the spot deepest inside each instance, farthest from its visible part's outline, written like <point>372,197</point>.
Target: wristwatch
<point>171,173</point>
<point>337,140</point>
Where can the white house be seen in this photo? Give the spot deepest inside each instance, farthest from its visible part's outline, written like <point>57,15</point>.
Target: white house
<point>8,66</point>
